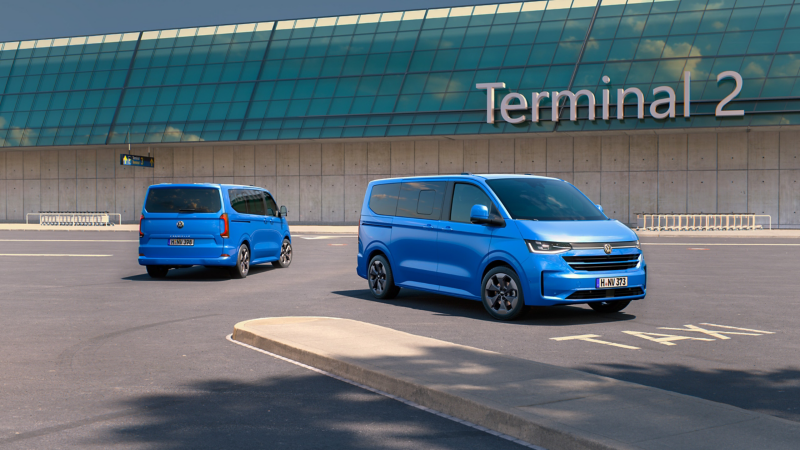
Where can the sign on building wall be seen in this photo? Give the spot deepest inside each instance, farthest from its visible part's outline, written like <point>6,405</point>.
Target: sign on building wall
<point>662,108</point>
<point>134,160</point>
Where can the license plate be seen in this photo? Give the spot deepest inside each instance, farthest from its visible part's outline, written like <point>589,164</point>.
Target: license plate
<point>181,242</point>
<point>611,282</point>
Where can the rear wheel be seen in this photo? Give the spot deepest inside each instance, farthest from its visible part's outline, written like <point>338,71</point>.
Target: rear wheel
<point>609,307</point>
<point>242,262</point>
<point>381,281</point>
<point>286,255</point>
<point>501,294</point>
<point>157,271</point>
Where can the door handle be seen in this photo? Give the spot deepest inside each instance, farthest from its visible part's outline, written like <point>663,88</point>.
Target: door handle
<point>447,228</point>
<point>427,225</point>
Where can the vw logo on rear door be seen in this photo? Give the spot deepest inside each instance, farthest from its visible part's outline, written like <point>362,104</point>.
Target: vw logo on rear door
<point>607,249</point>
<point>180,225</point>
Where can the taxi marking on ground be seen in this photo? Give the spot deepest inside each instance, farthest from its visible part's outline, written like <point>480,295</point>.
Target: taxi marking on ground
<point>670,339</point>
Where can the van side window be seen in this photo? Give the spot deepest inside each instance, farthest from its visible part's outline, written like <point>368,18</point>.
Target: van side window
<point>255,202</point>
<point>421,199</point>
<point>383,199</point>
<point>238,200</point>
<point>465,196</point>
<point>272,207</point>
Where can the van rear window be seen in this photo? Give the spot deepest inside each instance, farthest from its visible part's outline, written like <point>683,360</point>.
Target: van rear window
<point>190,200</point>
<point>383,199</point>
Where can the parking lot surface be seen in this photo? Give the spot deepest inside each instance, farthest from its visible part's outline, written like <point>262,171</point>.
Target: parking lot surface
<point>94,352</point>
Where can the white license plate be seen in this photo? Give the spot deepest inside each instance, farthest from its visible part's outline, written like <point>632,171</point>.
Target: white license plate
<point>612,282</point>
<point>181,242</point>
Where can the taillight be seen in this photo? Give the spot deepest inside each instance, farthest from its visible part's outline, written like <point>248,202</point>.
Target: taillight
<point>224,219</point>
<point>140,226</point>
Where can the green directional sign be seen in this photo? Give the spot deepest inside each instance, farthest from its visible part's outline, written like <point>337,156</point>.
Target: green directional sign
<point>134,160</point>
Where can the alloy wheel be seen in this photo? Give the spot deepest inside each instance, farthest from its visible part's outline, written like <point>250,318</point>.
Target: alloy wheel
<point>286,254</point>
<point>377,277</point>
<point>502,293</point>
<point>244,260</point>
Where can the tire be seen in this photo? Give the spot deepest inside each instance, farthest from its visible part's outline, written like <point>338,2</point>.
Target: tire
<point>381,281</point>
<point>501,293</point>
<point>157,271</point>
<point>613,306</point>
<point>286,255</point>
<point>242,267</point>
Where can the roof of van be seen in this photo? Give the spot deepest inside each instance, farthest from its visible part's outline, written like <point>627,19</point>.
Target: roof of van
<point>206,185</point>
<point>471,176</point>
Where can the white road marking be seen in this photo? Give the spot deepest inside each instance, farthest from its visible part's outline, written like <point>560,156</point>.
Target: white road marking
<point>324,237</point>
<point>664,339</point>
<point>67,240</point>
<point>736,328</point>
<point>593,338</point>
<point>52,254</point>
<point>393,397</point>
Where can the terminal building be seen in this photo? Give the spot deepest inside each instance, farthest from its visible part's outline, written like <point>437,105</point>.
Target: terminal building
<point>646,106</point>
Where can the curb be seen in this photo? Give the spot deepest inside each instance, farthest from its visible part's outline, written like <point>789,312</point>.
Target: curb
<point>494,417</point>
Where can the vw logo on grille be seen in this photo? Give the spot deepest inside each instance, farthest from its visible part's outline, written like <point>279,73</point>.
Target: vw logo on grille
<point>607,248</point>
<point>180,225</point>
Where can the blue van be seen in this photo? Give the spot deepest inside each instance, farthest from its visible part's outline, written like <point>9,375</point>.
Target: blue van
<point>506,240</point>
<point>233,226</point>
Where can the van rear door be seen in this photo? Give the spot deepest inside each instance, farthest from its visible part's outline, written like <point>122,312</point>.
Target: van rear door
<point>183,214</point>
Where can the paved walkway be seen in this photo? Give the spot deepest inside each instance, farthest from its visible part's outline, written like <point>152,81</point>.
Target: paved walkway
<point>548,406</point>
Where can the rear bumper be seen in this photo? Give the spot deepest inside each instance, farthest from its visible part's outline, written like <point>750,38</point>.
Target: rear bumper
<point>146,261</point>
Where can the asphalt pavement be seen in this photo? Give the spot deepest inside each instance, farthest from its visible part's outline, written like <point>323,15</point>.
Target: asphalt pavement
<point>96,353</point>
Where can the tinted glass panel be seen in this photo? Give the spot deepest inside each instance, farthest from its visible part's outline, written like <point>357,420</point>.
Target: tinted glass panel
<point>420,196</point>
<point>465,196</point>
<point>189,200</point>
<point>272,207</point>
<point>238,200</point>
<point>255,203</point>
<point>541,199</point>
<point>383,199</point>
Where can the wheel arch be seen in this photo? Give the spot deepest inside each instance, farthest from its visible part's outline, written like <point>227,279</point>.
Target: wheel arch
<point>494,260</point>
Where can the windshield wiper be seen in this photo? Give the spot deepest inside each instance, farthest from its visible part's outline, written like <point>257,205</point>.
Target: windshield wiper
<point>186,210</point>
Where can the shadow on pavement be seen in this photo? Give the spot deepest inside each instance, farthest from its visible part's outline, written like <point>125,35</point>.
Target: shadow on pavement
<point>298,412</point>
<point>200,273</point>
<point>453,306</point>
<point>770,392</point>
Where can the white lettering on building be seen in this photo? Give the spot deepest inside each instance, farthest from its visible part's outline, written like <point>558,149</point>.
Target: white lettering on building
<point>661,108</point>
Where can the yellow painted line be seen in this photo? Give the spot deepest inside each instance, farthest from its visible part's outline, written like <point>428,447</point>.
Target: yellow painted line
<point>593,338</point>
<point>52,254</point>
<point>694,243</point>
<point>67,240</point>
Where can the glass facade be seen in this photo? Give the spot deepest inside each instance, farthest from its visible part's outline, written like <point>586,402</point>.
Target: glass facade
<point>409,73</point>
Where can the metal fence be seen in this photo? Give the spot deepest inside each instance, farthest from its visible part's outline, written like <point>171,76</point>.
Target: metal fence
<point>75,218</point>
<point>702,222</point>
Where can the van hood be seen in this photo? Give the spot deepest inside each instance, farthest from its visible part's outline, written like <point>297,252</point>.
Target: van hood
<point>576,231</point>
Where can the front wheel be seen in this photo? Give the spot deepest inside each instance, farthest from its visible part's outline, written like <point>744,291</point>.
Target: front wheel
<point>242,262</point>
<point>157,271</point>
<point>381,281</point>
<point>501,294</point>
<point>286,255</point>
<point>609,307</point>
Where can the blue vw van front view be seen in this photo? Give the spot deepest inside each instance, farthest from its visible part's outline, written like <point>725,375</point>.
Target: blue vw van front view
<point>506,240</point>
<point>232,226</point>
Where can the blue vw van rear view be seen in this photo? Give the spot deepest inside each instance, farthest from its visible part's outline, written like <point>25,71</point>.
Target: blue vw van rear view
<point>183,225</point>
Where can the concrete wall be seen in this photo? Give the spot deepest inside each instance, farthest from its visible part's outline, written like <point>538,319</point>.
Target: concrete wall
<point>739,171</point>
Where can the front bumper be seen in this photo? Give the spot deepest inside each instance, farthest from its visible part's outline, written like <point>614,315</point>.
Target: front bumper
<point>554,282</point>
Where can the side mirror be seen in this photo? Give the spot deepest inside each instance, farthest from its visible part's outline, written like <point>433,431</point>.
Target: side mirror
<point>600,208</point>
<point>284,212</point>
<point>479,214</point>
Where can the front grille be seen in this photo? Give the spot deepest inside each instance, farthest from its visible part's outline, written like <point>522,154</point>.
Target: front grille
<point>602,262</point>
<point>605,293</point>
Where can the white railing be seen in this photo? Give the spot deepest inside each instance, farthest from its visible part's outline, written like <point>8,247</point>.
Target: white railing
<point>702,222</point>
<point>71,218</point>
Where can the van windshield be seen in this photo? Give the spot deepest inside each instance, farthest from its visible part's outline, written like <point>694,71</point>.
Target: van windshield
<point>541,199</point>
<point>188,200</point>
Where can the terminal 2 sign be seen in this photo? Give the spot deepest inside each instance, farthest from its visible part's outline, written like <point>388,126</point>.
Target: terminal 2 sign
<point>661,108</point>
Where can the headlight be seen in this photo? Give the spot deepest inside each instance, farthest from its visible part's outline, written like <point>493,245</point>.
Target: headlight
<point>638,245</point>
<point>548,247</point>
